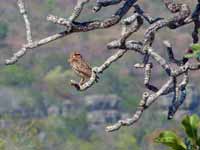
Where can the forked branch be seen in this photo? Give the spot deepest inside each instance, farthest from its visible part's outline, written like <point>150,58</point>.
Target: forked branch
<point>181,15</point>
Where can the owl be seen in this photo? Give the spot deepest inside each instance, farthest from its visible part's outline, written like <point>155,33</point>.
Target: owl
<point>80,67</point>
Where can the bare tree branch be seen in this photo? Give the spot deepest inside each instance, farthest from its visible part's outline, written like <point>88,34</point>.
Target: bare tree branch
<point>178,99</point>
<point>138,22</point>
<point>26,20</point>
<point>146,101</point>
<point>181,15</point>
<point>23,50</point>
<point>71,27</point>
<point>96,70</point>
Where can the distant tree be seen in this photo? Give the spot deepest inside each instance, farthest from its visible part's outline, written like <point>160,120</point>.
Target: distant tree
<point>3,30</point>
<point>50,4</point>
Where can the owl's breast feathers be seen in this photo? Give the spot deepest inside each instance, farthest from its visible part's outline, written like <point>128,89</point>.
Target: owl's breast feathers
<point>80,67</point>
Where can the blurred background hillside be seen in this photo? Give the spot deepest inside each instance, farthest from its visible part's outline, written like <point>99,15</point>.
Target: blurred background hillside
<point>40,111</point>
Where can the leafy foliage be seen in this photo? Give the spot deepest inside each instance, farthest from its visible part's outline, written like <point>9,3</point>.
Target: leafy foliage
<point>16,75</point>
<point>50,4</point>
<point>195,52</point>
<point>57,132</point>
<point>191,124</point>
<point>172,140</point>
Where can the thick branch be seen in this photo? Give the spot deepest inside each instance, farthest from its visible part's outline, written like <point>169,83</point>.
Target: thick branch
<point>172,6</point>
<point>181,16</point>
<point>178,99</point>
<point>96,24</point>
<point>160,60</point>
<point>180,19</point>
<point>32,45</point>
<point>99,69</point>
<point>113,58</point>
<point>187,67</point>
<point>195,17</point>
<point>171,55</point>
<point>75,27</point>
<point>146,101</point>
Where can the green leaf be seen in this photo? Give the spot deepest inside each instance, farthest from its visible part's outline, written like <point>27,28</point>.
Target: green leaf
<point>195,47</point>
<point>171,140</point>
<point>198,56</point>
<point>193,55</point>
<point>198,142</point>
<point>190,124</point>
<point>189,56</point>
<point>196,51</point>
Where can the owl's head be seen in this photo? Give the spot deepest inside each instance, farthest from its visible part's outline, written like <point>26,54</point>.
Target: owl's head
<point>75,55</point>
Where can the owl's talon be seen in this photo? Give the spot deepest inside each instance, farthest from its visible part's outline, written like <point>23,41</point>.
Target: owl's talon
<point>69,26</point>
<point>75,84</point>
<point>95,69</point>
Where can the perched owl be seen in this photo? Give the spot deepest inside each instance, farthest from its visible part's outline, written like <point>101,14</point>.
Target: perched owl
<point>80,67</point>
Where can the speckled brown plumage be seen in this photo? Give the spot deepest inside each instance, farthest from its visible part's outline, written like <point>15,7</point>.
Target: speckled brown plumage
<point>80,66</point>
